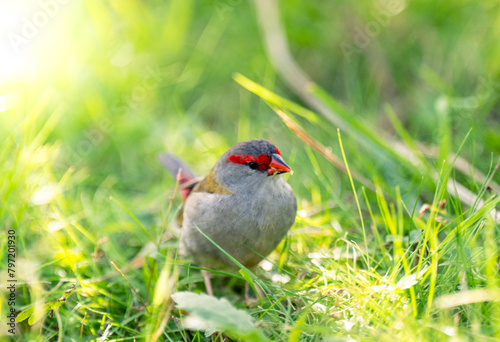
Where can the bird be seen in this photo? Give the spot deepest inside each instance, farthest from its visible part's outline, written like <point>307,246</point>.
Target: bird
<point>244,205</point>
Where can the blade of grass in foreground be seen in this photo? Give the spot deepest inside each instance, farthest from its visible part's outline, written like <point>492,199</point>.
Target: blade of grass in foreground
<point>355,127</point>
<point>407,139</point>
<point>405,157</point>
<point>367,260</point>
<point>301,133</point>
<point>136,220</point>
<point>247,273</point>
<point>275,99</point>
<point>162,304</point>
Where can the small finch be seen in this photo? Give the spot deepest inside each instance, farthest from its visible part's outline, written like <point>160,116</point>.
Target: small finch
<point>244,205</point>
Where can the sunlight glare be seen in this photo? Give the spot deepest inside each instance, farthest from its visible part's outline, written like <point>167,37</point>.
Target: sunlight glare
<point>27,37</point>
<point>13,61</point>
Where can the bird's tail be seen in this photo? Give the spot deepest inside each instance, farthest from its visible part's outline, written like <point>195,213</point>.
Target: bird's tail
<point>174,165</point>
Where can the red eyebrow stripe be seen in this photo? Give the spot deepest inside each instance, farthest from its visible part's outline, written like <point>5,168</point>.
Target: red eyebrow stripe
<point>277,149</point>
<point>263,160</point>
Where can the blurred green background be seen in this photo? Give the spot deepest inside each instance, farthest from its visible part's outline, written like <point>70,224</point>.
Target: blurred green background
<point>92,91</point>
<point>134,78</point>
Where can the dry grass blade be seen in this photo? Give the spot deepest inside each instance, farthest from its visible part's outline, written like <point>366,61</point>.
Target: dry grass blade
<point>162,304</point>
<point>279,54</point>
<point>325,152</point>
<point>165,316</point>
<point>131,286</point>
<point>106,334</point>
<point>467,297</point>
<point>170,204</point>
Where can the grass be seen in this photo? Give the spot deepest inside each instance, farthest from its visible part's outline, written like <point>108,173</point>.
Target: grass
<point>395,237</point>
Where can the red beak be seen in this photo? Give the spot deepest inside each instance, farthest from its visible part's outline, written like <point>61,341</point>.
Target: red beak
<point>277,165</point>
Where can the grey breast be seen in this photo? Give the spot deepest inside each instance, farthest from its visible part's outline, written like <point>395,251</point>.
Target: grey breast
<point>244,225</point>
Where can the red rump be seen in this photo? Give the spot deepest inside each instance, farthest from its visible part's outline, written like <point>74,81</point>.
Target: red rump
<point>263,160</point>
<point>185,178</point>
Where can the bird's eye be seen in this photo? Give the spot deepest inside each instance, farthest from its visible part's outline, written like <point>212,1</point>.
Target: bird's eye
<point>253,165</point>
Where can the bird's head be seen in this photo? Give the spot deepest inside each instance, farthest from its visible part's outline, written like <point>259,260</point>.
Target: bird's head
<point>250,160</point>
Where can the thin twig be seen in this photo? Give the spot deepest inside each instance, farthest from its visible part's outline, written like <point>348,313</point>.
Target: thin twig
<point>163,323</point>
<point>170,204</point>
<point>106,334</point>
<point>83,322</point>
<point>299,132</point>
<point>132,287</point>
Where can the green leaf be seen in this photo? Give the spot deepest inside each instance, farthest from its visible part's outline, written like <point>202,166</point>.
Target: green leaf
<point>210,314</point>
<point>36,312</point>
<point>23,315</point>
<point>250,281</point>
<point>275,99</point>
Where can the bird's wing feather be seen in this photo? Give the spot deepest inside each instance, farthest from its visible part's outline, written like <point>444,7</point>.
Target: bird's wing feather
<point>209,184</point>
